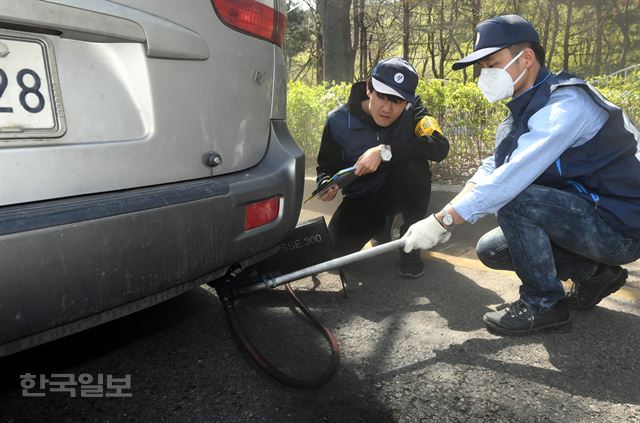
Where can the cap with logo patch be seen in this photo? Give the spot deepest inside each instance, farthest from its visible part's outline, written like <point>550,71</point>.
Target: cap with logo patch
<point>396,77</point>
<point>497,33</point>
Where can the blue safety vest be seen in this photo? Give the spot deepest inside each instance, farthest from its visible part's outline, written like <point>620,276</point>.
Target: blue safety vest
<point>605,170</point>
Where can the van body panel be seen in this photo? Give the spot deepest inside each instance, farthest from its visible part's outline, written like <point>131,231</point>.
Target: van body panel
<point>120,207</point>
<point>134,120</point>
<point>66,260</point>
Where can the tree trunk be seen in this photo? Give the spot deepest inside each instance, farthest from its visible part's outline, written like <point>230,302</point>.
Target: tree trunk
<point>622,19</point>
<point>554,36</point>
<point>336,40</point>
<point>476,12</point>
<point>405,29</point>
<point>567,32</point>
<point>431,37</point>
<point>442,33</point>
<point>364,58</point>
<point>320,68</point>
<point>357,26</point>
<point>360,32</point>
<point>515,7</point>
<point>547,22</point>
<point>598,47</point>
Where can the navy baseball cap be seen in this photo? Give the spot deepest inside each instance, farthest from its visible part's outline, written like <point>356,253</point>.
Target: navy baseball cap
<point>396,77</point>
<point>497,33</point>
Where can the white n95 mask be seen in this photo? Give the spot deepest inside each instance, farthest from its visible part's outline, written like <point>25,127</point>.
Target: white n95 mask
<point>496,83</point>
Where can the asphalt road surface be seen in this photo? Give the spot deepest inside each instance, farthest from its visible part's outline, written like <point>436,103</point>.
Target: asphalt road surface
<point>411,351</point>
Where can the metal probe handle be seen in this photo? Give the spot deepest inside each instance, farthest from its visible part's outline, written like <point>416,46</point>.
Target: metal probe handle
<point>272,282</point>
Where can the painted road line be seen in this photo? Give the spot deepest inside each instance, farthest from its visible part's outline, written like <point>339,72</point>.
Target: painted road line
<point>626,293</point>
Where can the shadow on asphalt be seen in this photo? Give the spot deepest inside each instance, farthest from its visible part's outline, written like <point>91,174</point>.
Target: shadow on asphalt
<point>586,361</point>
<point>186,365</point>
<point>184,360</point>
<point>596,358</point>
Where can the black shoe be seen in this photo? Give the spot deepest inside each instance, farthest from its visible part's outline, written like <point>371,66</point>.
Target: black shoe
<point>518,319</point>
<point>589,292</point>
<point>411,264</point>
<point>384,235</point>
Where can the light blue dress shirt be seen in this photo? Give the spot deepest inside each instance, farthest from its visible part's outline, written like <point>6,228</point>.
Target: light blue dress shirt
<point>570,119</point>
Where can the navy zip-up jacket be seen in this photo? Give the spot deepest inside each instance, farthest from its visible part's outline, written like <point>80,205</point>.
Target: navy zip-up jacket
<point>349,132</point>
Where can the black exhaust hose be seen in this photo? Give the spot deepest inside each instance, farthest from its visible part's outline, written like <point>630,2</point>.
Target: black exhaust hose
<point>228,293</point>
<point>269,368</point>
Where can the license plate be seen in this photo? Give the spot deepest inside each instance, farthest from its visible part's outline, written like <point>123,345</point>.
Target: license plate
<point>30,101</point>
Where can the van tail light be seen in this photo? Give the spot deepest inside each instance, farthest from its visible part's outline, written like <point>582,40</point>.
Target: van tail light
<point>253,17</point>
<point>261,212</point>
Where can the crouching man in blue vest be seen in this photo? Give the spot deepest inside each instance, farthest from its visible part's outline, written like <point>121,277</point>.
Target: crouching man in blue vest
<point>383,131</point>
<point>564,181</point>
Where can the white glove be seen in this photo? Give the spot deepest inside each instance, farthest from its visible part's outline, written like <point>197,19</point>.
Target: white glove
<point>425,234</point>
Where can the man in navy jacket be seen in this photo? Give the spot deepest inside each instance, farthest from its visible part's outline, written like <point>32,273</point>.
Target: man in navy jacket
<point>564,181</point>
<point>376,132</point>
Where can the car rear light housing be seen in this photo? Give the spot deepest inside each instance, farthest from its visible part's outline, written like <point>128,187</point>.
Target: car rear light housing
<point>253,17</point>
<point>261,213</point>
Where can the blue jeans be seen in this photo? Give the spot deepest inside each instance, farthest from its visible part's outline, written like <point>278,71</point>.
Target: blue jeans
<point>547,235</point>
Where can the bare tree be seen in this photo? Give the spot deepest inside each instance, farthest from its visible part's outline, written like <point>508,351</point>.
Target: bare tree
<point>547,22</point>
<point>590,37</point>
<point>442,18</point>
<point>554,32</point>
<point>567,33</point>
<point>384,31</point>
<point>598,47</point>
<point>319,53</point>
<point>476,13</point>
<point>406,28</point>
<point>336,40</point>
<point>359,36</point>
<point>621,16</point>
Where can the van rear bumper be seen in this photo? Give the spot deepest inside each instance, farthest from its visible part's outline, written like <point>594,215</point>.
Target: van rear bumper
<point>70,264</point>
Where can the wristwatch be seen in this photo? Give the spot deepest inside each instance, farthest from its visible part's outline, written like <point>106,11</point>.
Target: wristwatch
<point>385,152</point>
<point>447,220</point>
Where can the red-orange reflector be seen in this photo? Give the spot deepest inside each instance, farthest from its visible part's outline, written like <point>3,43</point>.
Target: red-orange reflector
<point>261,213</point>
<point>252,17</point>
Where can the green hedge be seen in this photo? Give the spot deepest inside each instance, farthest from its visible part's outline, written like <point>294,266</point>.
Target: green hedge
<point>625,93</point>
<point>466,118</point>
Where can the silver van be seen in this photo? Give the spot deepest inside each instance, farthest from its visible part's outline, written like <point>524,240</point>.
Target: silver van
<point>143,152</point>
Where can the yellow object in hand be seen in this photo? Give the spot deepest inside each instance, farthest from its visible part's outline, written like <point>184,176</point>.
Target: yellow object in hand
<point>426,126</point>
